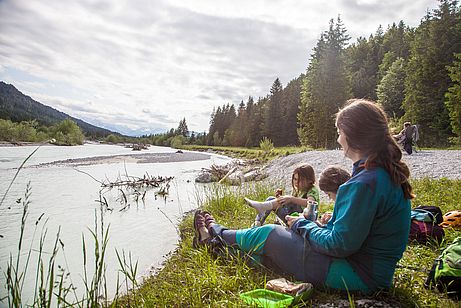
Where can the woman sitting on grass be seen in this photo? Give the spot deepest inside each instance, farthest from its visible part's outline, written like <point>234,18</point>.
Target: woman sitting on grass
<point>304,190</point>
<point>359,248</point>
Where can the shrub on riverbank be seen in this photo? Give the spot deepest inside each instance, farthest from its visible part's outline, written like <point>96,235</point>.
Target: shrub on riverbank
<point>65,132</point>
<point>249,153</point>
<point>23,131</point>
<point>193,278</point>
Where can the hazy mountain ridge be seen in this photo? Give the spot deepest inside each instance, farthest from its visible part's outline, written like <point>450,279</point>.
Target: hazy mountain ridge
<point>16,106</point>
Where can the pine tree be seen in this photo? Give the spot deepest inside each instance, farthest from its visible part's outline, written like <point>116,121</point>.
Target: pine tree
<point>292,99</point>
<point>192,138</point>
<point>213,125</point>
<point>391,89</point>
<point>358,57</point>
<point>254,120</point>
<point>221,120</point>
<point>229,117</point>
<point>436,41</point>
<point>237,131</point>
<point>363,59</point>
<point>453,98</point>
<point>273,124</point>
<point>396,44</point>
<point>325,89</point>
<point>182,128</point>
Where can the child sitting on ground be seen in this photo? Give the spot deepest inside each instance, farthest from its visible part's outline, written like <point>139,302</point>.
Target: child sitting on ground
<point>304,190</point>
<point>329,181</point>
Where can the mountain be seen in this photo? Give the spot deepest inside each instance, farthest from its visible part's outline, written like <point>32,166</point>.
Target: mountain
<point>18,107</point>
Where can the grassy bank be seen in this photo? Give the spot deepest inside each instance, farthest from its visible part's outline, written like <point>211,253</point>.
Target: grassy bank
<point>249,153</point>
<point>195,278</point>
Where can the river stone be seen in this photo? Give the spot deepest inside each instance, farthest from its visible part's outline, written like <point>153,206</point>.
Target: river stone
<point>204,177</point>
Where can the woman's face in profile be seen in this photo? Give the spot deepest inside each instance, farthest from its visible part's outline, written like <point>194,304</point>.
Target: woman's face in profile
<point>342,141</point>
<point>348,151</point>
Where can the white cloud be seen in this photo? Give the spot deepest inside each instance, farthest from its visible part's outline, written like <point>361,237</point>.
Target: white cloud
<point>174,58</point>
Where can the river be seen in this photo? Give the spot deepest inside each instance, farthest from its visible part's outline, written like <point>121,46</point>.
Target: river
<point>67,199</point>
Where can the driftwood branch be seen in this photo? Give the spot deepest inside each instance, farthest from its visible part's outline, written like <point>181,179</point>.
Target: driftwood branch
<point>88,175</point>
<point>131,185</point>
<point>231,173</point>
<point>232,170</point>
<point>136,182</point>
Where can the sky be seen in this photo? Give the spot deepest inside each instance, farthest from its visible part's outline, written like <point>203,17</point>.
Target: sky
<point>140,66</point>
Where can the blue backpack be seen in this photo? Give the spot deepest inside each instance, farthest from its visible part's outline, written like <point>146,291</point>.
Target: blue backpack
<point>427,213</point>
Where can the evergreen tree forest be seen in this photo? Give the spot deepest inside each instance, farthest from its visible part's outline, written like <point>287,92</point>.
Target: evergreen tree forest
<point>414,73</point>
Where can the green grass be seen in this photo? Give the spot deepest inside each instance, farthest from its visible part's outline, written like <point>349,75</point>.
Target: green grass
<point>250,153</point>
<point>192,277</point>
<point>408,283</point>
<point>195,278</point>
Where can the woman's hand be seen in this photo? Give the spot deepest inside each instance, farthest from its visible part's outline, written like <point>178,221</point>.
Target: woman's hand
<point>292,219</point>
<point>282,200</point>
<point>325,218</point>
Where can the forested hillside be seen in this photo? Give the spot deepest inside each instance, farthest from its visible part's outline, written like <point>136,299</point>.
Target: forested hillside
<point>18,107</point>
<point>414,73</point>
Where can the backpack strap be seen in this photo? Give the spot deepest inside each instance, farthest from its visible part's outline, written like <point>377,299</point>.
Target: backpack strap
<point>422,215</point>
<point>430,280</point>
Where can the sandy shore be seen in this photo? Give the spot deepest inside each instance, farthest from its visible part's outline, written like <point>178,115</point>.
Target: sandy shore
<point>146,158</point>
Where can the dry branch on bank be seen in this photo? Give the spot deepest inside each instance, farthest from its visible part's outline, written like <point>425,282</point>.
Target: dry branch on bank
<point>233,173</point>
<point>131,186</point>
<point>137,182</point>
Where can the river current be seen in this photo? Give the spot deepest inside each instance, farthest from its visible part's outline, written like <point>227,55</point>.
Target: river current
<point>66,199</point>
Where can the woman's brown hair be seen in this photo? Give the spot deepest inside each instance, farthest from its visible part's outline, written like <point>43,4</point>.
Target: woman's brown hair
<point>304,171</point>
<point>366,130</point>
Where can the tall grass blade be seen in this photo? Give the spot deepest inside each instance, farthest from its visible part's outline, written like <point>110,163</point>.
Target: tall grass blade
<point>16,174</point>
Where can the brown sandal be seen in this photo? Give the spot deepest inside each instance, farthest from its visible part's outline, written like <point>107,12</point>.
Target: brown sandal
<point>209,219</point>
<point>199,224</point>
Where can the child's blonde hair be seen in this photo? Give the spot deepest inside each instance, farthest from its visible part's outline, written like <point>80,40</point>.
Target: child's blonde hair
<point>306,172</point>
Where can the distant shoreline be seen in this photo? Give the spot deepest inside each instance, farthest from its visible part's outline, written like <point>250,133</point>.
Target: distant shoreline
<point>144,158</point>
<point>22,144</point>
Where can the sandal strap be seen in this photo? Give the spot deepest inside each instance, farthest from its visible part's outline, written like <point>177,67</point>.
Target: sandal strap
<point>209,219</point>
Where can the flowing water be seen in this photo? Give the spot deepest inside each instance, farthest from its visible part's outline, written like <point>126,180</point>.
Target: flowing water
<point>67,200</point>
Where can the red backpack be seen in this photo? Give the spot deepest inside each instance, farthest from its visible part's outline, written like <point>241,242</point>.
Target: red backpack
<point>425,224</point>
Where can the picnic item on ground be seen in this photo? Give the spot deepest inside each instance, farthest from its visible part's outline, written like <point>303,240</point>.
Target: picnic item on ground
<point>279,293</point>
<point>452,219</point>
<point>266,298</point>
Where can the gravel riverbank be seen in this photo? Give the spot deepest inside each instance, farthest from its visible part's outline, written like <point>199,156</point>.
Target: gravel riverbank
<point>144,158</point>
<point>425,163</point>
